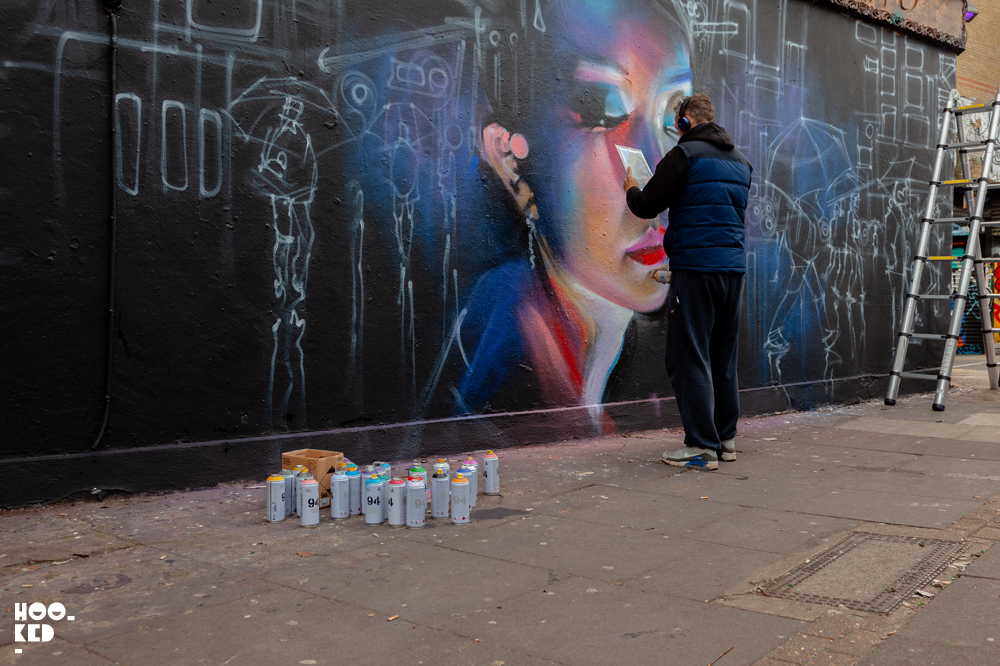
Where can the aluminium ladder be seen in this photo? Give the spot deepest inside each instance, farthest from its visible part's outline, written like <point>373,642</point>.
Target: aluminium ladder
<point>972,261</point>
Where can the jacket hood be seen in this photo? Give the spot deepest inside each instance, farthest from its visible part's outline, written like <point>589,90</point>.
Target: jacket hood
<point>710,133</point>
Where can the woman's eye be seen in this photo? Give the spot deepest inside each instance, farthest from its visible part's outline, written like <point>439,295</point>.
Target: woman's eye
<point>671,101</point>
<point>601,106</point>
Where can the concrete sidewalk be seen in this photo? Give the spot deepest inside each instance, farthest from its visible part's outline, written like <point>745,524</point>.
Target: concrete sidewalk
<point>595,554</point>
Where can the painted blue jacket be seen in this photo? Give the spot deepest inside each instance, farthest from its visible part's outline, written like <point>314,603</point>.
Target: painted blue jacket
<point>705,182</point>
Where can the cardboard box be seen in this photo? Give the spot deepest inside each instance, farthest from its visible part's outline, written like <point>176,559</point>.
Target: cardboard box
<point>320,464</point>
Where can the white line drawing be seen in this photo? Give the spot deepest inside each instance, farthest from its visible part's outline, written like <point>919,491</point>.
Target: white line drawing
<point>136,123</point>
<point>213,118</point>
<point>249,34</point>
<point>166,145</point>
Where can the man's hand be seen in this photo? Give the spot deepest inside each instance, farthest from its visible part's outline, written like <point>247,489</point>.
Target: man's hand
<point>630,180</point>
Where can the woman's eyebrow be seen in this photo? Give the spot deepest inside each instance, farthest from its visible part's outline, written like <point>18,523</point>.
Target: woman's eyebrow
<point>595,72</point>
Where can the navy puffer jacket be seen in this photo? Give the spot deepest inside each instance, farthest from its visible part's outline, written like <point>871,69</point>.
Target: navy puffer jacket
<point>705,182</point>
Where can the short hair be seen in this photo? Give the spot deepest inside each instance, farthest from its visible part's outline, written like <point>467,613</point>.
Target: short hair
<point>699,108</point>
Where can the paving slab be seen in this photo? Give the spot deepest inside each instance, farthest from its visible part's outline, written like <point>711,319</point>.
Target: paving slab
<point>639,510</point>
<point>27,537</point>
<point>874,441</point>
<point>580,621</point>
<point>900,426</point>
<point>879,507</point>
<point>171,518</point>
<point>600,552</point>
<point>415,580</point>
<point>706,573</point>
<point>959,628</point>
<point>52,653</point>
<point>954,448</point>
<point>991,419</point>
<point>120,591</point>
<point>247,543</point>
<point>781,532</point>
<point>282,627</point>
<point>986,565</point>
<point>909,481</point>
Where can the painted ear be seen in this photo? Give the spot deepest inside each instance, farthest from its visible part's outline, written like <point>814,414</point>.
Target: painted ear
<point>502,150</point>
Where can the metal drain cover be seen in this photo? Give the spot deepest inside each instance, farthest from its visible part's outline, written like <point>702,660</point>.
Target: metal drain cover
<point>866,572</point>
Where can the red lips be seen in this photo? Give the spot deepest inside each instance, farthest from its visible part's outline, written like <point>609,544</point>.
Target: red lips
<point>648,256</point>
<point>648,250</point>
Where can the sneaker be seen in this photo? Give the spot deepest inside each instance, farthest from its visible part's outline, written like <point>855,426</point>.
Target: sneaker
<point>692,456</point>
<point>728,450</point>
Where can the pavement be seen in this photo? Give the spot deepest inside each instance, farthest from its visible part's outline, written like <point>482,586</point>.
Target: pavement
<point>595,553</point>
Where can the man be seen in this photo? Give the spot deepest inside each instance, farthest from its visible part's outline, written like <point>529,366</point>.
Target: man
<point>705,182</point>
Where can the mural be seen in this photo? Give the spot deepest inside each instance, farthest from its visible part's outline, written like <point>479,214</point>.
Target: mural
<point>434,187</point>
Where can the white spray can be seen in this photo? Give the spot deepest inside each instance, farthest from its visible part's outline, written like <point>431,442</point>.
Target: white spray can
<point>275,498</point>
<point>396,502</point>
<point>491,474</point>
<point>340,496</point>
<point>309,496</point>
<point>460,499</point>
<point>416,501</point>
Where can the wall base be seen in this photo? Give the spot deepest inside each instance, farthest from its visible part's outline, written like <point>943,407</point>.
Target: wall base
<point>42,479</point>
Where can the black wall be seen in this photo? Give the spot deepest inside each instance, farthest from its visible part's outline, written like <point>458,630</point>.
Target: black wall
<point>397,228</point>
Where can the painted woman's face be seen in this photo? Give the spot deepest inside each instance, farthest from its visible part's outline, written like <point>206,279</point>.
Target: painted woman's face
<point>627,79</point>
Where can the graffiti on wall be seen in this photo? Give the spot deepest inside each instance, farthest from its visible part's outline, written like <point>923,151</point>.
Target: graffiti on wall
<point>448,174</point>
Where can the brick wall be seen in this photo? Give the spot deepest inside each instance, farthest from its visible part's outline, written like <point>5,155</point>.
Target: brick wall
<point>979,66</point>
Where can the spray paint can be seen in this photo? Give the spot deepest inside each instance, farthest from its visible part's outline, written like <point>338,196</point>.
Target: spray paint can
<point>275,498</point>
<point>396,503</point>
<point>367,473</point>
<point>491,474</point>
<point>299,472</point>
<point>443,464</point>
<point>302,478</point>
<point>418,470</point>
<point>460,499</point>
<point>354,490</point>
<point>416,501</point>
<point>439,493</point>
<point>309,497</point>
<point>473,477</point>
<point>373,501</point>
<point>289,477</point>
<point>340,496</point>
<point>385,479</point>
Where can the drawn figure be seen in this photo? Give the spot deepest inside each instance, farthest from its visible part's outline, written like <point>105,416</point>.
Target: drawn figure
<point>285,173</point>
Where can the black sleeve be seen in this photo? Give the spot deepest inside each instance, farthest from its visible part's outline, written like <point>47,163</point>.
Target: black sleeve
<point>663,190</point>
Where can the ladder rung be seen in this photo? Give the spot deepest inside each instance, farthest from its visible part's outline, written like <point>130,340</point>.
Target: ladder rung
<point>933,297</point>
<point>979,145</point>
<point>967,186</point>
<point>988,296</point>
<point>991,330</point>
<point>986,107</point>
<point>988,260</point>
<point>918,375</point>
<point>949,220</point>
<point>948,258</point>
<point>928,336</point>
